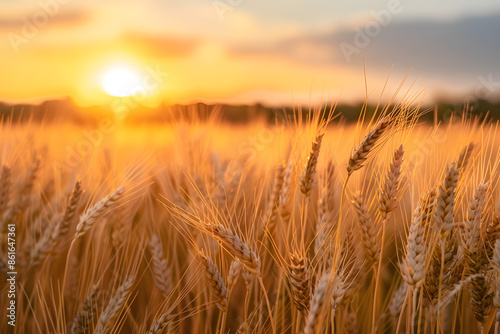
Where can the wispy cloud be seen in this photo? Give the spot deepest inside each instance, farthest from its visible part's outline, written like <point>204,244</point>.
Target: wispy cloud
<point>65,18</point>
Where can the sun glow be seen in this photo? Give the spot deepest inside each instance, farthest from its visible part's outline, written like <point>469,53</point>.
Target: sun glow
<point>121,81</point>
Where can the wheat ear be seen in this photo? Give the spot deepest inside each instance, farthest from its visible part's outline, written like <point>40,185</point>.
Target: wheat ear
<point>272,215</point>
<point>369,232</point>
<point>233,274</point>
<point>84,320</point>
<point>362,152</point>
<point>49,241</point>
<point>160,323</point>
<point>320,297</point>
<point>162,274</point>
<point>286,196</point>
<point>443,216</point>
<point>306,181</point>
<point>396,304</point>
<point>112,310</point>
<point>233,243</point>
<point>492,234</point>
<point>495,268</point>
<point>326,207</point>
<point>472,246</point>
<point>387,196</point>
<point>465,155</point>
<point>97,211</point>
<point>413,265</point>
<point>215,281</point>
<point>299,276</point>
<point>439,275</point>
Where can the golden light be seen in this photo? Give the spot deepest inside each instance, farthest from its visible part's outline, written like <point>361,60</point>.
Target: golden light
<point>121,81</point>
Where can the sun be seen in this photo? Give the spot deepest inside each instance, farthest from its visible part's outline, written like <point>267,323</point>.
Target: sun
<point>121,81</point>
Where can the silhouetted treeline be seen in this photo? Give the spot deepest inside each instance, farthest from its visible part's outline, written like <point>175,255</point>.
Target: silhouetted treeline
<point>67,111</point>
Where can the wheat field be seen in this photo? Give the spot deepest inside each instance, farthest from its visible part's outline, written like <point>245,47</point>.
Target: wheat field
<point>305,225</point>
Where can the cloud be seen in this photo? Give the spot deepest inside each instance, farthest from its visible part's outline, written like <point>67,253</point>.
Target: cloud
<point>69,18</point>
<point>167,46</point>
<point>465,47</point>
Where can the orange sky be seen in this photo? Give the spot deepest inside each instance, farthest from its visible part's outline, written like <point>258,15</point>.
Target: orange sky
<point>243,52</point>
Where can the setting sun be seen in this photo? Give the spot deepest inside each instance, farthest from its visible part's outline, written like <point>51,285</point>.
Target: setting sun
<point>121,81</point>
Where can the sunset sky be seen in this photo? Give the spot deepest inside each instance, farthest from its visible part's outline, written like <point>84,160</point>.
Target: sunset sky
<point>242,51</point>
